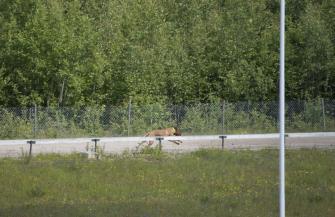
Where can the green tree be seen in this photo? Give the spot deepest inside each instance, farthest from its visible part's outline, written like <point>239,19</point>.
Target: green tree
<point>311,57</point>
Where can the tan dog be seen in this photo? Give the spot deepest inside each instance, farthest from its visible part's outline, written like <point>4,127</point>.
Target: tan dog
<point>173,131</point>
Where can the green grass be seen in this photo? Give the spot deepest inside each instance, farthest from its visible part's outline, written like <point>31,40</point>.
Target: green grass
<point>203,183</point>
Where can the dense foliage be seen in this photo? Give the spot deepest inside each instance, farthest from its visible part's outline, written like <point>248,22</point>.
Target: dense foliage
<point>84,52</point>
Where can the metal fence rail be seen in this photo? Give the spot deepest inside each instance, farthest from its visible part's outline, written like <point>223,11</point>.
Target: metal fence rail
<point>134,120</point>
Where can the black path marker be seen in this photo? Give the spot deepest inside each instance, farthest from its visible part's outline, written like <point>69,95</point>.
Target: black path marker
<point>160,142</point>
<point>95,146</point>
<point>222,138</point>
<point>31,142</point>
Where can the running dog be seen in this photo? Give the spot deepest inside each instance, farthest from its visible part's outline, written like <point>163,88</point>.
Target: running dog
<point>173,131</point>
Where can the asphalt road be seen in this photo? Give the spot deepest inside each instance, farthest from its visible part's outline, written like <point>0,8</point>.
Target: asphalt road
<point>16,148</point>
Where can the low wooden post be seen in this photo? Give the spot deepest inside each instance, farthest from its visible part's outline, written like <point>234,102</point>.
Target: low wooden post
<point>222,138</point>
<point>95,147</point>
<point>31,142</point>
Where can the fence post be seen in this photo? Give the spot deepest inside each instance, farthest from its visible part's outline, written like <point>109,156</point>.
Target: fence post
<point>31,120</point>
<point>323,113</point>
<point>223,119</point>
<point>58,121</point>
<point>129,116</point>
<point>177,114</point>
<point>96,122</point>
<point>249,116</point>
<point>35,120</point>
<point>151,118</point>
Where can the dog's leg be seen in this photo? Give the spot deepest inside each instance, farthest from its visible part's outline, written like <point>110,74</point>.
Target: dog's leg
<point>140,144</point>
<point>146,135</point>
<point>175,141</point>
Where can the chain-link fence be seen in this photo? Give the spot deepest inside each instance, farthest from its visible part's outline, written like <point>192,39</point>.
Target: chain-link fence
<point>134,120</point>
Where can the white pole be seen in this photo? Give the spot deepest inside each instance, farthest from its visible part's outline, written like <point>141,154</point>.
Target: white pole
<point>282,110</point>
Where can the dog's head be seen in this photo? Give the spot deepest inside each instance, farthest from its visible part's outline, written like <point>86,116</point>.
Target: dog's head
<point>177,132</point>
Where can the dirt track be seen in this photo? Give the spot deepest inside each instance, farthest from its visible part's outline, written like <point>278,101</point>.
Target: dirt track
<point>256,144</point>
<point>15,148</point>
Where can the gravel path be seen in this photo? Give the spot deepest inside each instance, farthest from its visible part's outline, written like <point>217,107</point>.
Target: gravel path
<point>15,148</point>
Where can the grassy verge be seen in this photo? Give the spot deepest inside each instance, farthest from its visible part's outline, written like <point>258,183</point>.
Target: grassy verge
<point>203,183</point>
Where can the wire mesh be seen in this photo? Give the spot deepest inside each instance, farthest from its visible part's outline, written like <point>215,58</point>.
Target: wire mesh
<point>135,120</point>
